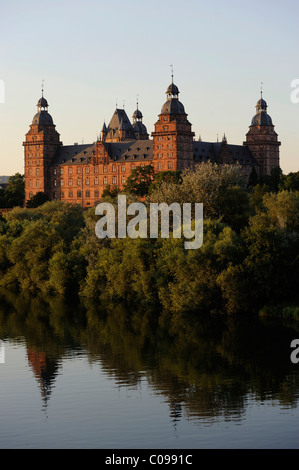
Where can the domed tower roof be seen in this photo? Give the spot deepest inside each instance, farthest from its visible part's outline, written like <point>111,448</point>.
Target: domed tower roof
<point>42,103</point>
<point>42,117</point>
<point>137,114</point>
<point>139,127</point>
<point>261,118</point>
<point>172,105</point>
<point>261,104</point>
<point>172,90</point>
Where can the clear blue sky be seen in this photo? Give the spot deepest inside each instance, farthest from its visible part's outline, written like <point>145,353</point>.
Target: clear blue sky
<point>93,53</point>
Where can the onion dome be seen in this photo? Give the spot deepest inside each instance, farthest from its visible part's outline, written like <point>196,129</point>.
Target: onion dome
<point>42,117</point>
<point>172,90</point>
<point>261,104</point>
<point>261,118</point>
<point>137,115</point>
<point>172,105</point>
<point>42,103</point>
<point>139,127</point>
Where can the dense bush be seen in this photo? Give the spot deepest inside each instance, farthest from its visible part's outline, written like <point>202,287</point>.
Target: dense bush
<point>249,260</point>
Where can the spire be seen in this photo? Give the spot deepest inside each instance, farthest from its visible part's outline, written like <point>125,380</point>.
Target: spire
<point>171,73</point>
<point>137,116</point>
<point>42,104</point>
<point>103,132</point>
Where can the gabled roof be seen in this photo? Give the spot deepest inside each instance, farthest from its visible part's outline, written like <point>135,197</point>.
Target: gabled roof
<point>119,121</point>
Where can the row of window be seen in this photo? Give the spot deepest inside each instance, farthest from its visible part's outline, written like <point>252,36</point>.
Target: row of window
<point>77,194</point>
<point>78,169</point>
<point>79,182</point>
<point>71,194</point>
<point>96,181</point>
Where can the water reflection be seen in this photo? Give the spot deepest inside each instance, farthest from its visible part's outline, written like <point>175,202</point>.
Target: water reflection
<point>205,369</point>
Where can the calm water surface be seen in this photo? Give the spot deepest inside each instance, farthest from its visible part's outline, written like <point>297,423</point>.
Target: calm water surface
<point>79,377</point>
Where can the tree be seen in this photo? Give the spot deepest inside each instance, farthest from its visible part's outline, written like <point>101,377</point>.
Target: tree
<point>289,182</point>
<point>272,180</point>
<point>14,193</point>
<point>209,184</point>
<point>268,273</point>
<point>170,176</point>
<point>140,180</point>
<point>37,200</point>
<point>111,192</point>
<point>253,178</point>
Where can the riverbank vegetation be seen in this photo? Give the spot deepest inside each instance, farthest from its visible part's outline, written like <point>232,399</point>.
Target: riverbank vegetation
<point>248,262</point>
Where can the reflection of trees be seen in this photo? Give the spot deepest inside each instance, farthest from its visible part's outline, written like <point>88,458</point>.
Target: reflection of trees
<point>204,369</point>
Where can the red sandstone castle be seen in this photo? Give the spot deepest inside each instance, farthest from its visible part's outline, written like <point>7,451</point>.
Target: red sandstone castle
<point>79,173</point>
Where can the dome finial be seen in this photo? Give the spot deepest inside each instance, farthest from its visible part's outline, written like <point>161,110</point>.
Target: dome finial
<point>42,88</point>
<point>171,73</point>
<point>262,89</point>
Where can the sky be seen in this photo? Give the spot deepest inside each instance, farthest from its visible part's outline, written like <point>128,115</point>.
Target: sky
<point>94,55</point>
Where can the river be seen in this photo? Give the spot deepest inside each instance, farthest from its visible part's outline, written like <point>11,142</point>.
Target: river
<point>78,376</point>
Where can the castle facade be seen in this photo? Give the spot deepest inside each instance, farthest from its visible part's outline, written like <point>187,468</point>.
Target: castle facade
<point>79,173</point>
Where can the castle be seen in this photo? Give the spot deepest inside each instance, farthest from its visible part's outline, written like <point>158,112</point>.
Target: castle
<point>79,173</point>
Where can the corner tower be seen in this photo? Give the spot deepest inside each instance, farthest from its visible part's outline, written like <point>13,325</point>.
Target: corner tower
<point>262,140</point>
<point>173,137</point>
<point>41,144</point>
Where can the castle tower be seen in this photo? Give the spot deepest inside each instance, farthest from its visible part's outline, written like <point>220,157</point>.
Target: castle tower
<point>140,130</point>
<point>42,141</point>
<point>173,137</point>
<point>262,140</point>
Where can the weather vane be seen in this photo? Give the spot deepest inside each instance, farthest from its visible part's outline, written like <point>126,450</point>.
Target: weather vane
<point>171,72</point>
